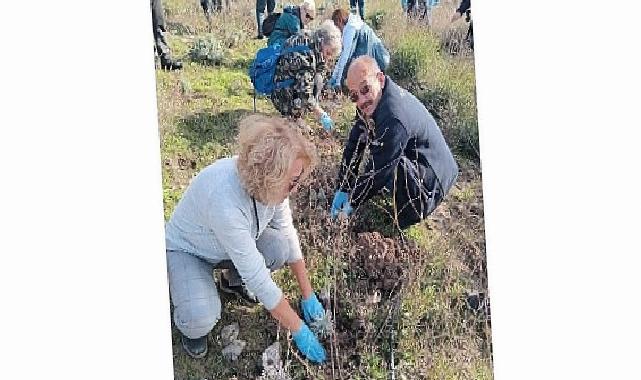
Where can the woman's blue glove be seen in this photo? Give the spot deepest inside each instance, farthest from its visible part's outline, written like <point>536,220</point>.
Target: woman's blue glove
<point>328,124</point>
<point>340,203</point>
<point>308,344</point>
<point>312,309</point>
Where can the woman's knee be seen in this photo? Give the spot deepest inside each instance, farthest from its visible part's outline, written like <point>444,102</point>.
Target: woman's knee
<point>196,319</point>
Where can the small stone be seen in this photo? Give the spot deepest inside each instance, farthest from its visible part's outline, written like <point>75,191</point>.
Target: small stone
<point>234,349</point>
<point>229,333</point>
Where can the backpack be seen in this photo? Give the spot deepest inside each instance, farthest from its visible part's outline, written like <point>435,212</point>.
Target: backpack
<point>269,22</point>
<point>263,69</point>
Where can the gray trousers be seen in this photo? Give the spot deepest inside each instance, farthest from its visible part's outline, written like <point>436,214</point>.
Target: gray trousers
<point>197,306</point>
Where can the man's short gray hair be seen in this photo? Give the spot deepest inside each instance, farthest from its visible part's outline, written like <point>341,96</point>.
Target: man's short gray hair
<point>330,36</point>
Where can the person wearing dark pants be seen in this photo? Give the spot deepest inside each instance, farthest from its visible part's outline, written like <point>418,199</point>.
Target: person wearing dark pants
<point>409,159</point>
<point>260,14</point>
<point>209,6</point>
<point>161,47</point>
<point>464,8</point>
<point>361,7</point>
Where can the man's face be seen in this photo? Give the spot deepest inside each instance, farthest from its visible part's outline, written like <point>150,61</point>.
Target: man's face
<point>365,90</point>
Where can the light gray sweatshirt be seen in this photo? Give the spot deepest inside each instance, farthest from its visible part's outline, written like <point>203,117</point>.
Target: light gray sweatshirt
<point>215,220</point>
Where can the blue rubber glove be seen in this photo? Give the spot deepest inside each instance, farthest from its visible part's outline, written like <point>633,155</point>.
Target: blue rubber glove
<point>312,309</point>
<point>334,84</point>
<point>308,344</point>
<point>328,124</point>
<point>340,204</point>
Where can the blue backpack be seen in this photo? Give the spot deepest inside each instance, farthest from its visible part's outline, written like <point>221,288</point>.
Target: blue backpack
<point>263,69</point>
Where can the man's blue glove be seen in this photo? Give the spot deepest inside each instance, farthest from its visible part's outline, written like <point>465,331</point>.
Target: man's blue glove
<point>328,124</point>
<point>341,203</point>
<point>312,309</point>
<point>308,344</point>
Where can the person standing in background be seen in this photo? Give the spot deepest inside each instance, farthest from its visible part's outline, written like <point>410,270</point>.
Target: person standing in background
<point>361,7</point>
<point>260,14</point>
<point>161,47</point>
<point>465,8</point>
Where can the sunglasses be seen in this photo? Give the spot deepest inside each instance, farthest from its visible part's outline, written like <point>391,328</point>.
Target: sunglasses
<point>353,96</point>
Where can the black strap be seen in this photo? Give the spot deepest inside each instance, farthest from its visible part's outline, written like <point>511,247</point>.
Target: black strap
<point>256,215</point>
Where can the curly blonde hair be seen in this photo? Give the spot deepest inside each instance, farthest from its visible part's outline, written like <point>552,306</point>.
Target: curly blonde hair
<point>267,148</point>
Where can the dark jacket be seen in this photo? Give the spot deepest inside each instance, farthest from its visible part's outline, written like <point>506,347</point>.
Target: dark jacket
<point>464,7</point>
<point>409,157</point>
<point>288,24</point>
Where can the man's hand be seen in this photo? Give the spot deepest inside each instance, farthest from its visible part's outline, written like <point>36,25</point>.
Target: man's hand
<point>312,309</point>
<point>455,17</point>
<point>340,204</point>
<point>308,344</point>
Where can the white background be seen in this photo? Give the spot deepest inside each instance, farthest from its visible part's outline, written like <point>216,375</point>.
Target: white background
<point>83,292</point>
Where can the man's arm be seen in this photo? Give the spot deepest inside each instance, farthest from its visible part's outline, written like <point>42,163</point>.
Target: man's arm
<point>386,150</point>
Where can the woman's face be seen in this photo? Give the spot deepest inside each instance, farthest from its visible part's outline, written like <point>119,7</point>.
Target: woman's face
<point>328,53</point>
<point>294,174</point>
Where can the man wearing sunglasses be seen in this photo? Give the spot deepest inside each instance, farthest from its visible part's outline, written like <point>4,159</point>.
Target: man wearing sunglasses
<point>409,158</point>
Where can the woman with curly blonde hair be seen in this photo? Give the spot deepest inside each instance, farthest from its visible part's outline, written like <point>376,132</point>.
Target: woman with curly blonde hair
<point>235,216</point>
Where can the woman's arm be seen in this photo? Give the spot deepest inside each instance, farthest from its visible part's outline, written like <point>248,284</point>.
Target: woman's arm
<point>286,316</point>
<point>300,271</point>
<point>348,39</point>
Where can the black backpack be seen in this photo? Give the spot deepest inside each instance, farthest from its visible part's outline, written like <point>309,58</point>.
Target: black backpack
<point>269,22</point>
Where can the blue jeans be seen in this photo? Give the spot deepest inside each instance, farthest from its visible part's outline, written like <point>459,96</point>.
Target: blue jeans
<point>361,7</point>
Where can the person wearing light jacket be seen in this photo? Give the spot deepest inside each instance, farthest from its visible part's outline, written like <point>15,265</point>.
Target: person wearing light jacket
<point>235,216</point>
<point>358,39</point>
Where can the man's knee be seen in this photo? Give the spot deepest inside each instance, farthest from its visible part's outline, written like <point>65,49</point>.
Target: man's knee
<point>196,319</point>
<point>274,247</point>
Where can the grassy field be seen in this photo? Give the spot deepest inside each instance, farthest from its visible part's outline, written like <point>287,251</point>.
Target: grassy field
<point>391,295</point>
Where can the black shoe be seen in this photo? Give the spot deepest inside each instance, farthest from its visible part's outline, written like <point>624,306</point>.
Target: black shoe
<point>240,290</point>
<point>171,65</point>
<point>196,348</point>
<point>260,37</point>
